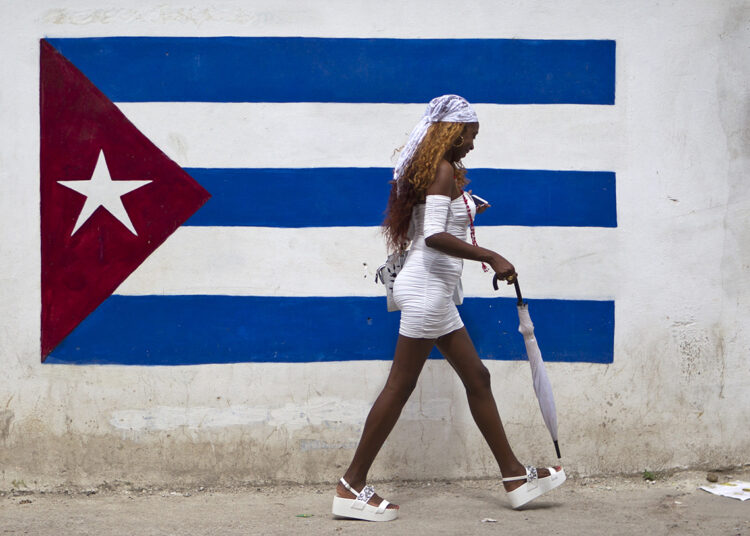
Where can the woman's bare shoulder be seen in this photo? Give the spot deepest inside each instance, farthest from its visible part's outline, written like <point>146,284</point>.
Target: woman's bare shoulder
<point>443,184</point>
<point>445,168</point>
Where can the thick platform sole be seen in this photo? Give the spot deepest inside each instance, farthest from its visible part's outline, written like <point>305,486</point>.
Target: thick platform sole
<point>344,508</point>
<point>523,495</point>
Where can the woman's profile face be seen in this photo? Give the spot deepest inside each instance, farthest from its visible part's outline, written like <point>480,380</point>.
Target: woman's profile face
<point>469,134</point>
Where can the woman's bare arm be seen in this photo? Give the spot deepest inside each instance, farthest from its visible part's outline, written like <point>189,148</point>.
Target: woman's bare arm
<point>449,244</point>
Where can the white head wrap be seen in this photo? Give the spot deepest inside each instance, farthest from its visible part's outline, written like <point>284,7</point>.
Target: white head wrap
<point>447,109</point>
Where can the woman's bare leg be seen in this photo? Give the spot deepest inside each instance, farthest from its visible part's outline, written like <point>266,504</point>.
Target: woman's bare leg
<point>408,360</point>
<point>461,354</point>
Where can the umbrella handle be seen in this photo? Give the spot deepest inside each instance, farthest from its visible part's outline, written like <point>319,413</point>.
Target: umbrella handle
<point>495,279</point>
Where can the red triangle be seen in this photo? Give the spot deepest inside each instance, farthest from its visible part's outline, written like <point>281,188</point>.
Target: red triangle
<point>80,270</point>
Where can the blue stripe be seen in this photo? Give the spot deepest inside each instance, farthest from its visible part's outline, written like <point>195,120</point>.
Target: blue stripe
<point>191,330</point>
<point>330,197</point>
<point>297,69</point>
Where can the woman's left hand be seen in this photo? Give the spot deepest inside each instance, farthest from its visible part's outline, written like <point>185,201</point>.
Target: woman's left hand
<point>481,208</point>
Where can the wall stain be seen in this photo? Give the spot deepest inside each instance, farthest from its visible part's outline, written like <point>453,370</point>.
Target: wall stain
<point>6,417</point>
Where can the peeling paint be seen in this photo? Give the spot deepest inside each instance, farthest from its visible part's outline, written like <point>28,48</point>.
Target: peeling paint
<point>306,445</point>
<point>320,411</point>
<point>195,17</point>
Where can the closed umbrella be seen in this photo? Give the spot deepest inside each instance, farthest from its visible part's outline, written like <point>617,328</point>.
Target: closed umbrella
<point>542,386</point>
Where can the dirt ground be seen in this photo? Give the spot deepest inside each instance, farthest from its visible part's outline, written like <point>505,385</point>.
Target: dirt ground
<point>671,505</point>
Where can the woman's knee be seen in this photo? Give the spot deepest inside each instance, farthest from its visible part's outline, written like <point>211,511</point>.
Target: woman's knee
<point>479,380</point>
<point>401,388</point>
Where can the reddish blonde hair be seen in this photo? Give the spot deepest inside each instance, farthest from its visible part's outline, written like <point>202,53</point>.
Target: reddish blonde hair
<point>417,178</point>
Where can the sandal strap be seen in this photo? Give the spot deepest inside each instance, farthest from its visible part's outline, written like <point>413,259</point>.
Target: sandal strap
<point>383,505</point>
<point>363,497</point>
<point>347,486</point>
<point>531,476</point>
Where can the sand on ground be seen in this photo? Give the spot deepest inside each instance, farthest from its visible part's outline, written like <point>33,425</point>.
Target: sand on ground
<point>671,505</point>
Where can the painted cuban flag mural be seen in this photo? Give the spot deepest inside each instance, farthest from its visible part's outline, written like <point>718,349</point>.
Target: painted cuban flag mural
<point>233,249</point>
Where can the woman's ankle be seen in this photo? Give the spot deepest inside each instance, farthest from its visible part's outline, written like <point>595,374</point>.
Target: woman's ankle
<point>513,469</point>
<point>354,481</point>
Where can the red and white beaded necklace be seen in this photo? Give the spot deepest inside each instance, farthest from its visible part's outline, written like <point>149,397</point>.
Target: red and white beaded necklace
<point>471,227</point>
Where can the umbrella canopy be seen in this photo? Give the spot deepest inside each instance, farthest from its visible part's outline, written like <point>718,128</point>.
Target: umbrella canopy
<point>542,386</point>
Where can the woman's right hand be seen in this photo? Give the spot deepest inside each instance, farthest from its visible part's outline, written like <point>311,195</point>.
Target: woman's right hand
<point>503,269</point>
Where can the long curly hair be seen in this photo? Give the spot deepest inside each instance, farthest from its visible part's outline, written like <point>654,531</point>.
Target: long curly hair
<point>417,178</point>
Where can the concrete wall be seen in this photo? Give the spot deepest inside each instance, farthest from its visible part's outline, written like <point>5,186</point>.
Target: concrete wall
<point>677,265</point>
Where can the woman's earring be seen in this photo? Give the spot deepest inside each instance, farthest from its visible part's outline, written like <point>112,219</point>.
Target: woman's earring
<point>460,141</point>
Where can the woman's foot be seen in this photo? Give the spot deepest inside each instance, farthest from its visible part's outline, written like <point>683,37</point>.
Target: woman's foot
<point>349,502</point>
<point>532,484</point>
<point>542,472</point>
<point>375,500</point>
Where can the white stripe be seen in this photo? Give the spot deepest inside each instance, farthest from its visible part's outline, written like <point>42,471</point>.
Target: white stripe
<point>261,135</point>
<point>552,262</point>
<point>530,19</point>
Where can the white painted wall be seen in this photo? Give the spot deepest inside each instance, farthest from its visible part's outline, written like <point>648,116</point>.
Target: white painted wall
<point>678,264</point>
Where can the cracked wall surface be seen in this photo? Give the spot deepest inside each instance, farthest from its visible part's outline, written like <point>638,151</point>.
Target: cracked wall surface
<point>676,394</point>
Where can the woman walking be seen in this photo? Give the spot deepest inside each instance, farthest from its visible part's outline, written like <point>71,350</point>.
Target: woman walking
<point>428,207</point>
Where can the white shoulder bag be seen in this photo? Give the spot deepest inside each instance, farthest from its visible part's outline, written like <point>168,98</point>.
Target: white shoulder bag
<point>387,273</point>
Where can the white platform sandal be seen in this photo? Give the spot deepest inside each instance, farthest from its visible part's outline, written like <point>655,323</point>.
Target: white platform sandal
<point>359,509</point>
<point>534,486</point>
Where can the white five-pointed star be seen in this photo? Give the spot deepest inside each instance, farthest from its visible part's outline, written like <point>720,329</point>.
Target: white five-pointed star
<point>102,191</point>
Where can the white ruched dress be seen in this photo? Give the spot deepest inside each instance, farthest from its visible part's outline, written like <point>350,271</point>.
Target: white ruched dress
<point>426,284</point>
